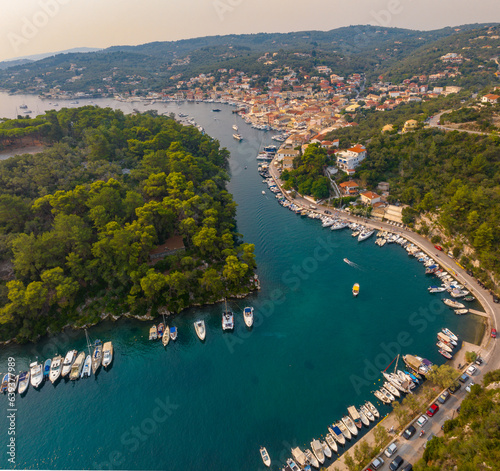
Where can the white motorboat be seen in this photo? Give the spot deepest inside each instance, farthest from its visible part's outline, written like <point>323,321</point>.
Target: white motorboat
<point>449,333</point>
<point>337,434</point>
<point>382,397</point>
<point>235,127</point>
<point>461,312</point>
<point>153,333</point>
<point>387,394</point>
<point>299,456</point>
<point>367,413</point>
<point>331,442</point>
<point>237,136</point>
<point>443,346</point>
<point>444,338</point>
<point>339,225</point>
<point>437,289</point>
<point>355,289</point>
<point>326,450</point>
<point>87,367</point>
<point>69,359</point>
<point>365,235</point>
<point>77,367</point>
<point>317,449</point>
<point>393,390</point>
<point>248,316</point>
<point>350,425</point>
<point>166,336</point>
<point>107,354</point>
<point>311,458</point>
<point>345,431</point>
<point>364,418</point>
<point>55,368</point>
<point>292,465</point>
<point>36,373</point>
<point>265,456</point>
<point>23,382</point>
<point>199,326</point>
<point>372,409</point>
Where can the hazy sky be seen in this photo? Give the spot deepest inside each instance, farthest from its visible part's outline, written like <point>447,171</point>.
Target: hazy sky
<point>38,26</point>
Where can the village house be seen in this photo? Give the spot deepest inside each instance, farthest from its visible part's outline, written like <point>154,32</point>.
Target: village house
<point>286,151</point>
<point>349,159</point>
<point>410,125</point>
<point>370,198</point>
<point>349,188</point>
<point>490,98</point>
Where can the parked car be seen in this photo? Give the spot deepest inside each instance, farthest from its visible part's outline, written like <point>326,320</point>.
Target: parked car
<point>396,463</point>
<point>408,467</point>
<point>471,370</point>
<point>454,387</point>
<point>444,397</point>
<point>464,378</point>
<point>439,247</point>
<point>493,333</point>
<point>376,464</point>
<point>479,361</point>
<point>469,386</point>
<point>432,410</point>
<point>390,450</point>
<point>409,432</point>
<point>422,420</point>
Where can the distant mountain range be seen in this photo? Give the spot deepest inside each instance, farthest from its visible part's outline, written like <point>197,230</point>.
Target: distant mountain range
<point>36,57</point>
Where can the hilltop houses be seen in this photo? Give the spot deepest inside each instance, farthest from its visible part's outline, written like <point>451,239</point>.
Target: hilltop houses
<point>348,160</point>
<point>490,98</point>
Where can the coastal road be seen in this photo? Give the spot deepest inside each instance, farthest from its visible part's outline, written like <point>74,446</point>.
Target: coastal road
<point>413,449</point>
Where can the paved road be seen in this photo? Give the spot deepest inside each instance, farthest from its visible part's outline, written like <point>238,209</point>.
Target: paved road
<point>413,449</point>
<point>434,123</point>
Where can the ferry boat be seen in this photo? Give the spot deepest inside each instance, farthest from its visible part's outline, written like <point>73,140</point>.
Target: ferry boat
<point>153,333</point>
<point>265,456</point>
<point>227,319</point>
<point>69,359</point>
<point>46,369</point>
<point>237,136</point>
<point>76,368</point>
<point>355,289</point>
<point>36,373</point>
<point>199,327</point>
<point>337,434</point>
<point>173,333</point>
<point>248,316</point>
<point>23,382</point>
<point>107,354</point>
<point>317,449</point>
<point>96,356</point>
<point>55,368</point>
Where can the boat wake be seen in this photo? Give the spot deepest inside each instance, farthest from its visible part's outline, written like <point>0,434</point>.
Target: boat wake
<point>352,264</point>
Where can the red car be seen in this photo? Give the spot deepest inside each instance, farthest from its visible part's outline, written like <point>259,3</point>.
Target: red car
<point>494,333</point>
<point>432,410</point>
<point>439,247</point>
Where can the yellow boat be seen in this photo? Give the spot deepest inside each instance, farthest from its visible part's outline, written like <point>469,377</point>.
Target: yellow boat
<point>355,289</point>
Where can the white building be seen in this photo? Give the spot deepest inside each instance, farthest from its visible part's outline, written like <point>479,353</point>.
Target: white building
<point>349,159</point>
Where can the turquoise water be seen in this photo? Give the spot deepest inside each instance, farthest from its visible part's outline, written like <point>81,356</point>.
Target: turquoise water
<point>313,351</point>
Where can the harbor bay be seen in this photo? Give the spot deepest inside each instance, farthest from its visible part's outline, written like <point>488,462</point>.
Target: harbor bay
<point>186,404</point>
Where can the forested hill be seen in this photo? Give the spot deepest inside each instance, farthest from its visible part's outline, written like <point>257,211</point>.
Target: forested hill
<point>79,221</point>
<point>151,66</point>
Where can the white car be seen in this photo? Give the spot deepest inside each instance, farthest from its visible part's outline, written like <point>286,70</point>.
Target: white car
<point>469,386</point>
<point>471,370</point>
<point>422,420</point>
<point>391,449</point>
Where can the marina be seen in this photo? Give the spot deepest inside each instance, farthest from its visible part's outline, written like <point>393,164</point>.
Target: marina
<point>394,287</point>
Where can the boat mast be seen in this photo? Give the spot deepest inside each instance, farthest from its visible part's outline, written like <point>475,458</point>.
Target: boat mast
<point>395,366</point>
<point>88,342</point>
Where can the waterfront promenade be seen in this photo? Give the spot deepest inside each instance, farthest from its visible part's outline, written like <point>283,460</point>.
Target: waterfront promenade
<point>413,449</point>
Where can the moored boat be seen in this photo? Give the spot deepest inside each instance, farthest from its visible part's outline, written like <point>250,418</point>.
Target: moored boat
<point>354,414</point>
<point>449,333</point>
<point>445,354</point>
<point>317,449</point>
<point>365,235</point>
<point>364,418</point>
<point>199,327</point>
<point>36,374</point>
<point>153,333</point>
<point>55,368</point>
<point>237,136</point>
<point>248,316</point>
<point>345,431</point>
<point>292,465</point>
<point>394,391</point>
<point>337,434</point>
<point>160,330</point>
<point>166,336</point>
<point>227,319</point>
<point>23,382</point>
<point>387,394</point>
<point>299,456</point>
<point>46,369</point>
<point>326,449</point>
<point>265,456</point>
<point>76,368</point>
<point>350,425</point>
<point>173,333</point>
<point>107,354</point>
<point>87,367</point>
<point>5,383</point>
<point>311,458</point>
<point>415,364</point>
<point>444,338</point>
<point>372,409</point>
<point>69,359</point>
<point>367,413</point>
<point>461,312</point>
<point>96,356</point>
<point>331,442</point>
<point>382,397</point>
<point>443,346</point>
<point>453,304</point>
<point>355,289</point>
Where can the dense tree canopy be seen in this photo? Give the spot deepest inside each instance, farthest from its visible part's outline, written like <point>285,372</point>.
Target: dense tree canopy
<point>79,221</point>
